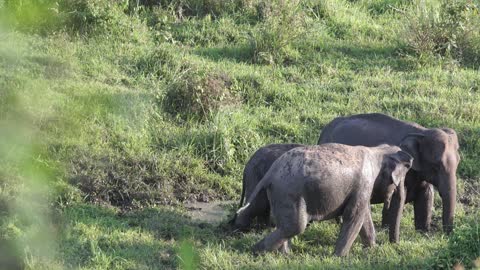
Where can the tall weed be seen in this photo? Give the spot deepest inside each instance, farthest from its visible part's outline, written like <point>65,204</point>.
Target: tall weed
<point>198,94</point>
<point>37,16</point>
<point>463,246</point>
<point>282,23</point>
<point>448,29</point>
<point>190,8</point>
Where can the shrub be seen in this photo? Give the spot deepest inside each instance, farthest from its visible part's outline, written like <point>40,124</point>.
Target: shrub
<point>463,246</point>
<point>102,17</point>
<point>281,25</point>
<point>198,94</point>
<point>344,20</point>
<point>161,62</point>
<point>448,30</point>
<point>226,143</point>
<point>85,15</point>
<point>188,8</point>
<point>205,32</point>
<point>30,15</point>
<point>378,7</point>
<point>78,16</point>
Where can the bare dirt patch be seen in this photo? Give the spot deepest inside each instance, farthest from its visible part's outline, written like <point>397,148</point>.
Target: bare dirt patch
<point>209,212</point>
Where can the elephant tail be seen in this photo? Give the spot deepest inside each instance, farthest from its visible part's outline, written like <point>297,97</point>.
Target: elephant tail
<point>242,198</point>
<point>262,184</point>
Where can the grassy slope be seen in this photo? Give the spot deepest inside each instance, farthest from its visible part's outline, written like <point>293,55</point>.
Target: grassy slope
<point>94,110</point>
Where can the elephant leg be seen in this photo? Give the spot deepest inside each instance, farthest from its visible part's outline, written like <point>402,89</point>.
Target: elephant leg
<point>423,205</point>
<point>258,208</point>
<point>265,219</point>
<point>262,209</point>
<point>367,232</point>
<point>291,220</point>
<point>285,247</point>
<point>279,239</point>
<point>353,217</point>
<point>273,241</point>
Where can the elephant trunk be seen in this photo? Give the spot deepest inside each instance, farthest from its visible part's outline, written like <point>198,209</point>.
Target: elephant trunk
<point>448,191</point>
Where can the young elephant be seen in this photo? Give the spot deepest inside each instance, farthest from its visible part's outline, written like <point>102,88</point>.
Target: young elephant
<point>325,181</point>
<point>254,171</point>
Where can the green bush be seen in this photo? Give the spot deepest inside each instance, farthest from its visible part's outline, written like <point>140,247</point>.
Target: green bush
<point>189,8</point>
<point>86,15</point>
<point>198,94</point>
<point>77,16</point>
<point>281,25</point>
<point>344,20</point>
<point>227,143</point>
<point>379,7</point>
<point>39,16</point>
<point>463,245</point>
<point>450,29</point>
<point>102,17</point>
<point>162,62</point>
<point>208,32</point>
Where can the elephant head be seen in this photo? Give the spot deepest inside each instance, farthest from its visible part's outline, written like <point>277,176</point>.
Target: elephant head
<point>436,158</point>
<point>394,168</point>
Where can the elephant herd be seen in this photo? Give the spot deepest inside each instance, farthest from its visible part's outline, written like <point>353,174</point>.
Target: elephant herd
<point>359,160</point>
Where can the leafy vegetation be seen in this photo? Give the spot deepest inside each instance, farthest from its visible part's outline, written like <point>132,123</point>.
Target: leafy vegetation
<point>113,114</point>
<point>447,30</point>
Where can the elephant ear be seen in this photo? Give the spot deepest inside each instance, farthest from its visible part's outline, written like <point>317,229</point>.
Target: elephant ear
<point>453,137</point>
<point>449,131</point>
<point>398,165</point>
<point>411,145</point>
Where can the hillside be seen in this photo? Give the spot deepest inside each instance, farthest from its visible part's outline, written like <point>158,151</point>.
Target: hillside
<point>114,114</point>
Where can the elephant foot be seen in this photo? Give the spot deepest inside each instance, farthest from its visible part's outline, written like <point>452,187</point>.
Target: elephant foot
<point>285,247</point>
<point>422,229</point>
<point>240,226</point>
<point>259,248</point>
<point>264,221</point>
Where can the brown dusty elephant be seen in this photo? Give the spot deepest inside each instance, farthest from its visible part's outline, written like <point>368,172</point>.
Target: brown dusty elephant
<point>435,153</point>
<point>321,182</point>
<point>254,171</point>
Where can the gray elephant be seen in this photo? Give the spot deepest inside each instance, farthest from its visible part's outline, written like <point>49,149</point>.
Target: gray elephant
<point>254,171</point>
<point>434,150</point>
<point>325,181</point>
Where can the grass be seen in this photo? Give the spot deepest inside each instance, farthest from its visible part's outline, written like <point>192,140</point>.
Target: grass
<point>98,155</point>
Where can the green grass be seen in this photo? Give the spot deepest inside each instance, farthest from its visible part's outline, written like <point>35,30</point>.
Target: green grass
<point>98,155</point>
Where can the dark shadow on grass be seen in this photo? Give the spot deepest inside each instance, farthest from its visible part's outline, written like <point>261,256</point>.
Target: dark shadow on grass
<point>357,57</point>
<point>52,67</point>
<point>236,54</point>
<point>364,57</point>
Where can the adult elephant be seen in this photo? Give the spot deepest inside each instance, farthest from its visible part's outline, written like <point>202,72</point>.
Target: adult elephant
<point>435,153</point>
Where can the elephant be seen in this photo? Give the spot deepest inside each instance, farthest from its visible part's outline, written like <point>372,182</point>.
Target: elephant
<point>321,182</point>
<point>254,171</point>
<point>435,152</point>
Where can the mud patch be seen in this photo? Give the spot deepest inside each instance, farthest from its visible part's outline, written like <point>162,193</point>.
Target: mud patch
<point>209,212</point>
